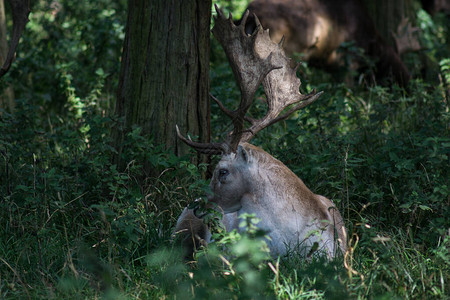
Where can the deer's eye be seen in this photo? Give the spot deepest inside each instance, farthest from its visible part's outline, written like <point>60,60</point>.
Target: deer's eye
<point>223,173</point>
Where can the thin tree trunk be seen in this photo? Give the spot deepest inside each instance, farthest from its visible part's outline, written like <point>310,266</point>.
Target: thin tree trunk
<point>164,77</point>
<point>7,95</point>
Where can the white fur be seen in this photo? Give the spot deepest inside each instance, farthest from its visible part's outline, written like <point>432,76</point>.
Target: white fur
<point>251,181</point>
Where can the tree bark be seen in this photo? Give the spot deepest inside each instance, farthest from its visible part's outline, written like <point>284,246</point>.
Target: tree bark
<point>7,95</point>
<point>164,77</point>
<point>388,14</point>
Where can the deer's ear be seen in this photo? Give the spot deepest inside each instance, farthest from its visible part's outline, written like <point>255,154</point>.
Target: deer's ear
<point>242,154</point>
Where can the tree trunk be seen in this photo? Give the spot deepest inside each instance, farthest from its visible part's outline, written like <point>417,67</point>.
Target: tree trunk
<point>164,77</point>
<point>387,15</point>
<point>7,95</point>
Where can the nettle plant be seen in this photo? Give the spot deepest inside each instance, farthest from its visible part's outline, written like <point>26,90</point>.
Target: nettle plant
<point>248,180</point>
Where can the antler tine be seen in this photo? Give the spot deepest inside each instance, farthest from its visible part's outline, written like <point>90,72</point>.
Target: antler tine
<point>244,20</point>
<point>258,125</point>
<point>222,107</point>
<point>308,99</point>
<point>257,22</point>
<point>281,43</point>
<point>219,12</point>
<point>205,148</point>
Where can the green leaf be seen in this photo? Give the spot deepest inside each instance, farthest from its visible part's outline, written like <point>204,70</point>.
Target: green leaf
<point>424,207</point>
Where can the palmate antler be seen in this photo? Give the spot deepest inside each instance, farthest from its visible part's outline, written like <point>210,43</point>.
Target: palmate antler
<point>254,59</point>
<point>406,39</point>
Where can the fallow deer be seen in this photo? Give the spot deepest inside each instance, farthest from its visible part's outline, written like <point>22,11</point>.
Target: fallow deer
<point>316,28</point>
<point>249,180</point>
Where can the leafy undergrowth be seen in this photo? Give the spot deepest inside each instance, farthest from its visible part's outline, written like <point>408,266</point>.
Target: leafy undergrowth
<point>75,226</point>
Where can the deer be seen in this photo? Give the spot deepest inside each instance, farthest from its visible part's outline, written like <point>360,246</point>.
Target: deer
<point>317,28</point>
<point>249,180</point>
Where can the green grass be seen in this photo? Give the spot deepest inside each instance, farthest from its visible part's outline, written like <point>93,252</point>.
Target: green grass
<point>73,226</point>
